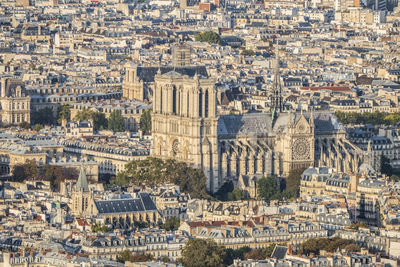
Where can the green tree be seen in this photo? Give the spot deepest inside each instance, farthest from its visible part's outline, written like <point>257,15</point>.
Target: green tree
<point>248,53</point>
<point>238,194</point>
<point>314,245</point>
<point>124,256</point>
<point>27,170</point>
<point>208,37</point>
<point>292,189</point>
<point>171,224</point>
<point>100,228</point>
<point>154,171</point>
<point>356,226</point>
<point>84,115</point>
<point>386,168</point>
<point>224,190</point>
<point>267,188</point>
<point>31,169</point>
<point>141,224</point>
<point>203,253</point>
<point>18,173</point>
<point>232,254</point>
<point>43,116</point>
<point>64,113</point>
<point>57,174</point>
<point>100,121</point>
<point>24,125</point>
<point>145,121</point>
<point>37,127</point>
<point>116,121</point>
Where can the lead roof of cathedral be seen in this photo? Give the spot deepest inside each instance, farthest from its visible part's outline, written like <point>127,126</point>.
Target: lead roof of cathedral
<point>260,123</point>
<point>140,204</point>
<point>146,74</point>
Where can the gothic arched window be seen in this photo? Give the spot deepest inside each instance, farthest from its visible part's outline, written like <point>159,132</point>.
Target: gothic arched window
<point>200,103</point>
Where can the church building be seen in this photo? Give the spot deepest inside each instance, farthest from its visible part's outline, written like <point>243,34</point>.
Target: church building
<point>186,127</point>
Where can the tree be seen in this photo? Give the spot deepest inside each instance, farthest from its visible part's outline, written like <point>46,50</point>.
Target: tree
<point>203,253</point>
<point>31,169</point>
<point>58,174</point>
<point>18,173</point>
<point>145,121</point>
<point>27,170</point>
<point>267,188</point>
<point>37,127</point>
<point>232,254</point>
<point>171,224</point>
<point>208,37</point>
<point>100,228</point>
<point>248,53</point>
<point>141,224</point>
<point>84,115</point>
<point>238,194</point>
<point>24,125</point>
<point>356,226</point>
<point>154,171</point>
<point>224,190</point>
<point>116,121</point>
<point>386,168</point>
<point>314,245</point>
<point>64,113</point>
<point>99,121</point>
<point>43,116</point>
<point>292,189</point>
<point>142,258</point>
<point>124,256</point>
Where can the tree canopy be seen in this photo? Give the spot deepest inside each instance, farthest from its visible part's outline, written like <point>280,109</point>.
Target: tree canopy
<point>127,255</point>
<point>171,224</point>
<point>154,171</point>
<point>145,121</point>
<point>99,119</point>
<point>267,188</point>
<point>64,113</point>
<point>203,253</point>
<point>116,121</point>
<point>314,245</point>
<point>375,118</point>
<point>31,171</point>
<point>43,116</point>
<point>208,37</point>
<point>26,171</point>
<point>25,125</point>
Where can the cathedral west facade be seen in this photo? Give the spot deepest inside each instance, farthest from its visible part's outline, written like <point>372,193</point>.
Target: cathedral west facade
<point>186,127</point>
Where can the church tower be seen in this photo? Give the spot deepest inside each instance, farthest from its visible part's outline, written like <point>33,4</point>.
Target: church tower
<point>184,122</point>
<point>276,95</point>
<point>82,198</point>
<point>132,86</point>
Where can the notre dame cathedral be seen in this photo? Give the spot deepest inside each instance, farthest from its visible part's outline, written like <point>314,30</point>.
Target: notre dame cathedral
<point>186,127</point>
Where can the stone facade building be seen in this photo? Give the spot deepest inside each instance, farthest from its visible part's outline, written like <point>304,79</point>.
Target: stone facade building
<point>186,127</point>
<point>14,102</point>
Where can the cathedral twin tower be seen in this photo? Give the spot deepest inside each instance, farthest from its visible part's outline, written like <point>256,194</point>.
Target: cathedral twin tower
<point>241,148</point>
<point>184,121</point>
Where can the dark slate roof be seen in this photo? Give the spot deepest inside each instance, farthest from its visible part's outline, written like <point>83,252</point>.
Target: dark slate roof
<point>279,252</point>
<point>260,123</point>
<point>146,74</point>
<point>140,204</point>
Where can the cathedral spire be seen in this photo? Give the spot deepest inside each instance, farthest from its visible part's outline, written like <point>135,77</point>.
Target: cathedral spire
<point>276,98</point>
